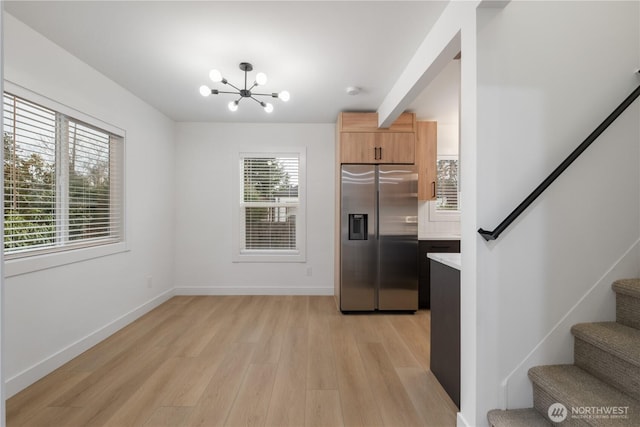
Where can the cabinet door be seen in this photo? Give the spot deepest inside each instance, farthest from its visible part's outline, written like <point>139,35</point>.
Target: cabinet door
<point>358,122</point>
<point>365,122</point>
<point>396,147</point>
<point>424,281</point>
<point>426,148</point>
<point>445,328</point>
<point>358,147</point>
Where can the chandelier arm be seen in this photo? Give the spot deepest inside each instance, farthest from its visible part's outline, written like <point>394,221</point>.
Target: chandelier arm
<point>257,100</point>
<point>273,95</point>
<point>224,91</point>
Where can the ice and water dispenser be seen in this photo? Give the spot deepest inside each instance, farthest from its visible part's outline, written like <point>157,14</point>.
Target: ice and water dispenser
<point>358,229</point>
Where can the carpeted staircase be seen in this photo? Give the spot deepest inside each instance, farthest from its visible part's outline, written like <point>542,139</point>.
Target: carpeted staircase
<point>602,387</point>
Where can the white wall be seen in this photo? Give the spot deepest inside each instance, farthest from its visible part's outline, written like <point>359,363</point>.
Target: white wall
<point>206,200</point>
<point>52,315</point>
<point>548,74</point>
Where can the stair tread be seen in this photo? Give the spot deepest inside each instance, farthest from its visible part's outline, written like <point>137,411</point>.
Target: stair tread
<point>576,388</point>
<point>617,339</point>
<point>526,417</point>
<point>629,287</point>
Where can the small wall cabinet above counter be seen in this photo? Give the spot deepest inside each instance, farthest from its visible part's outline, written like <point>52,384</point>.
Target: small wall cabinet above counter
<point>426,154</point>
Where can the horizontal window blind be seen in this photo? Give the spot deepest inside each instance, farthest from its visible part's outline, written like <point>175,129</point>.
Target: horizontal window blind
<point>63,181</point>
<point>269,203</point>
<point>94,212</point>
<point>29,175</point>
<point>447,188</point>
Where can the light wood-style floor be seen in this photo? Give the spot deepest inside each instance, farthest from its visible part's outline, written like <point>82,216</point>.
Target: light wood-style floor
<point>247,361</point>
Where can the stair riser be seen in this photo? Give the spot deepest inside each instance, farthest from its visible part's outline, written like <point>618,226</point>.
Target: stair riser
<point>608,368</point>
<point>542,400</point>
<point>628,310</point>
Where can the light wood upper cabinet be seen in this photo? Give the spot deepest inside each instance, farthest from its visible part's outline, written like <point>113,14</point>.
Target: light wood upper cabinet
<point>397,147</point>
<point>372,147</point>
<point>357,147</point>
<point>368,122</point>
<point>361,141</point>
<point>426,151</point>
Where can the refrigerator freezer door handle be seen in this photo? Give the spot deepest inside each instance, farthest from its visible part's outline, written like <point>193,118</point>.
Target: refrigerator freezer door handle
<point>378,215</point>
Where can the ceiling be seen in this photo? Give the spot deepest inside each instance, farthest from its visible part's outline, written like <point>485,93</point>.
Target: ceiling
<point>162,51</point>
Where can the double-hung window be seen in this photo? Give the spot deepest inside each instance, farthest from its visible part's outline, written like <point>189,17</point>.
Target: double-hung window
<point>62,181</point>
<point>446,206</point>
<point>271,210</point>
<point>447,188</point>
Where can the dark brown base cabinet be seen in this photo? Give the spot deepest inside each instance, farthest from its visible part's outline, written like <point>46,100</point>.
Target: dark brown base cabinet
<point>425,247</point>
<point>445,328</point>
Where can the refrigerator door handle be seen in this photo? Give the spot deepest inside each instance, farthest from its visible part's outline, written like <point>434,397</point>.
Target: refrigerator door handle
<point>378,213</point>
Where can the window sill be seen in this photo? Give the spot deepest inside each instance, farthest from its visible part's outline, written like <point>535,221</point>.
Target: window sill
<point>30,264</point>
<point>269,256</point>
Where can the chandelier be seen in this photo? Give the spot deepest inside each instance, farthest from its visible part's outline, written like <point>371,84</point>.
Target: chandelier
<point>261,79</point>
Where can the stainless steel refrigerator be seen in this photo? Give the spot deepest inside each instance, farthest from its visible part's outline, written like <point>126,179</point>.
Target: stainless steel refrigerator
<point>379,238</point>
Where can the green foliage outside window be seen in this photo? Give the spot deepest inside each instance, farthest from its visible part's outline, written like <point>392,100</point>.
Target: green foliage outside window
<point>447,195</point>
<point>29,199</point>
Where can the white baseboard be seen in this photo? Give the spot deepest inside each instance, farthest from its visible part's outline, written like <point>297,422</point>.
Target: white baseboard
<point>34,373</point>
<point>235,290</point>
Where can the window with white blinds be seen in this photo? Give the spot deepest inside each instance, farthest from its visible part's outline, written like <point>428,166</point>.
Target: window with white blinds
<point>447,188</point>
<point>62,181</point>
<point>271,194</point>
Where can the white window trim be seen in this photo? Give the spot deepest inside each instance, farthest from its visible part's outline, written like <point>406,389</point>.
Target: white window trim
<point>436,215</point>
<point>42,260</point>
<point>298,255</point>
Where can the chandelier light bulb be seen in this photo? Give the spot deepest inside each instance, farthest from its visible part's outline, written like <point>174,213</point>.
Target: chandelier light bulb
<point>284,95</point>
<point>204,90</point>
<point>268,108</point>
<point>233,106</point>
<point>261,79</point>
<point>215,76</point>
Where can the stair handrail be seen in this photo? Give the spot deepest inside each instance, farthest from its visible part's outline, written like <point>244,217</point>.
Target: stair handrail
<point>495,233</point>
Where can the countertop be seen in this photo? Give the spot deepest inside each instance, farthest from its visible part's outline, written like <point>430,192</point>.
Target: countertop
<point>450,259</point>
